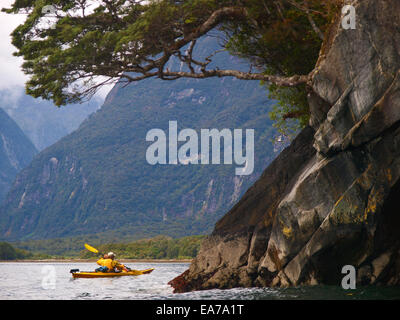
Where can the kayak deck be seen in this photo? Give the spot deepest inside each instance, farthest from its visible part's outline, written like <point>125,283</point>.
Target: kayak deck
<point>93,274</point>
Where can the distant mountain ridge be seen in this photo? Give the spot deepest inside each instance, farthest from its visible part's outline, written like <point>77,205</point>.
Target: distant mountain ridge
<point>41,121</point>
<point>16,152</point>
<point>97,180</point>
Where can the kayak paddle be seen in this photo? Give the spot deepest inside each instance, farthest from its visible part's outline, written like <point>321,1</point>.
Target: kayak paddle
<point>91,249</point>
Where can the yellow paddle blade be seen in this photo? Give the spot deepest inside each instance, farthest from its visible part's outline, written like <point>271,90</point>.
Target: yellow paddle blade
<point>90,248</point>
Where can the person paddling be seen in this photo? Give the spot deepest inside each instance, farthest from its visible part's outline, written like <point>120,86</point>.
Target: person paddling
<point>109,264</point>
<point>116,265</point>
<point>105,264</point>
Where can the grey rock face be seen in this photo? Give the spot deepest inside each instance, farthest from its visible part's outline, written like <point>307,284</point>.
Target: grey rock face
<point>330,199</point>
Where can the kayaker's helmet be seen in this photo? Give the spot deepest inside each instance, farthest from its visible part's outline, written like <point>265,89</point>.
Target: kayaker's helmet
<point>111,255</point>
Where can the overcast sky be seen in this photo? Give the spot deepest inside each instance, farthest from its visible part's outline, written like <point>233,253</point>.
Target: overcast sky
<point>11,76</point>
<point>10,72</point>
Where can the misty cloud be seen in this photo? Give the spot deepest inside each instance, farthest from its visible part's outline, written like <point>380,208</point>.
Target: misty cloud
<point>12,79</point>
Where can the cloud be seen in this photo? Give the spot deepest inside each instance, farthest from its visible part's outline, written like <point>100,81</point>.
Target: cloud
<point>11,75</point>
<point>9,97</point>
<point>12,78</point>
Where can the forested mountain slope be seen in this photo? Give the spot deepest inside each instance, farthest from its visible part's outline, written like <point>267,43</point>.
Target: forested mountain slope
<point>97,179</point>
<point>16,151</point>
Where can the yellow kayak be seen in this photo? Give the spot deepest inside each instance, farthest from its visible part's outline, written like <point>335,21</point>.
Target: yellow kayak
<point>90,274</point>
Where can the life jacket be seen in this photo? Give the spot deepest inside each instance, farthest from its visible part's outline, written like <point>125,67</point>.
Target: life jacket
<point>106,263</point>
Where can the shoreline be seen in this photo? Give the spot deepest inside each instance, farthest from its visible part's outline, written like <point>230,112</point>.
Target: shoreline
<point>94,261</point>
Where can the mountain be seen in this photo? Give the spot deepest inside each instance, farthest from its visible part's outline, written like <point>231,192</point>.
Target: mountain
<point>97,179</point>
<point>16,151</point>
<point>329,203</point>
<point>41,121</point>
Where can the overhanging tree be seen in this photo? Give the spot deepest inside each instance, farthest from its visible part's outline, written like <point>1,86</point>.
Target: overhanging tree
<point>91,43</point>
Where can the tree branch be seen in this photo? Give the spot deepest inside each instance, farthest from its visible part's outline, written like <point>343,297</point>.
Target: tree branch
<point>282,81</point>
<point>214,20</point>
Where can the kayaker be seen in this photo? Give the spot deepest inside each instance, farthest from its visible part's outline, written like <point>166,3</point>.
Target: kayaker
<point>109,264</point>
<point>116,265</point>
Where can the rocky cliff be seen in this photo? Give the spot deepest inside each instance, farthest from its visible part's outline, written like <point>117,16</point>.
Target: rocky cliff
<point>331,198</point>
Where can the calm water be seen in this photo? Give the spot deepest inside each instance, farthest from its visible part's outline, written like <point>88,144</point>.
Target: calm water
<point>33,281</point>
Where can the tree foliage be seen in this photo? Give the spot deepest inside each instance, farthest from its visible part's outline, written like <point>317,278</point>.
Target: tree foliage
<point>160,247</point>
<point>8,252</point>
<point>284,37</point>
<point>93,43</point>
<point>155,248</point>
